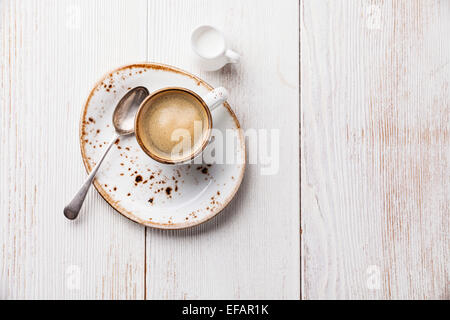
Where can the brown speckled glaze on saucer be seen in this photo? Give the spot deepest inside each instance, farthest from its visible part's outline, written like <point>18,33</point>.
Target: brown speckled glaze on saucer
<point>143,190</point>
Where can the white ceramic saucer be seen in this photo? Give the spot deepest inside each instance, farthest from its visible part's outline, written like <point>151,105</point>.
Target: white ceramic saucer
<point>145,191</point>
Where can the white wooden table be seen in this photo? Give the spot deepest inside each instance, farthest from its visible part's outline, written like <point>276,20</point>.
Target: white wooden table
<point>358,209</point>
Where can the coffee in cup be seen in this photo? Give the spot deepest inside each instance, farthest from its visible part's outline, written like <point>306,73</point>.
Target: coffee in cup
<point>173,125</point>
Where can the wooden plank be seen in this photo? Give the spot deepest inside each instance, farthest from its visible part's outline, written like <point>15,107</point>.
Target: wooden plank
<point>52,52</point>
<point>375,149</point>
<point>251,250</point>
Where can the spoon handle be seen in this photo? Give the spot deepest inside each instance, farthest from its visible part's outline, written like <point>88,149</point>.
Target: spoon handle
<point>73,208</point>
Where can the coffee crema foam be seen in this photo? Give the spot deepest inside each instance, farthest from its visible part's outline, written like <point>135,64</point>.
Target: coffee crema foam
<point>174,126</point>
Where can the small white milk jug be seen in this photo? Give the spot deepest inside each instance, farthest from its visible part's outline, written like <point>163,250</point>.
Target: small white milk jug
<point>210,48</point>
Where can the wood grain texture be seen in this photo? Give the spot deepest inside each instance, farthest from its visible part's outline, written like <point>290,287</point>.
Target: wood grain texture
<point>52,52</point>
<point>375,149</point>
<point>251,250</point>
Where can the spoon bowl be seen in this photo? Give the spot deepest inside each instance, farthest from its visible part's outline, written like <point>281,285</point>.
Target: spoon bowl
<point>123,116</point>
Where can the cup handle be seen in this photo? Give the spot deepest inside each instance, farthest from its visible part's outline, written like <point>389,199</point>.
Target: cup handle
<point>233,57</point>
<point>216,97</point>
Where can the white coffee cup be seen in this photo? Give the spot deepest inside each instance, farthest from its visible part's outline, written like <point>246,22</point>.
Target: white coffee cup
<point>209,102</point>
<point>210,48</point>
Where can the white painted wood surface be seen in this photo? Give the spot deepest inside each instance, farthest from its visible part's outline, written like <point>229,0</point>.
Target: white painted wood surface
<point>52,53</point>
<point>251,250</point>
<point>375,149</point>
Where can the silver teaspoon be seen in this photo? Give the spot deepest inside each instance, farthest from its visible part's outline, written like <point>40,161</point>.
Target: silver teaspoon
<point>123,121</point>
